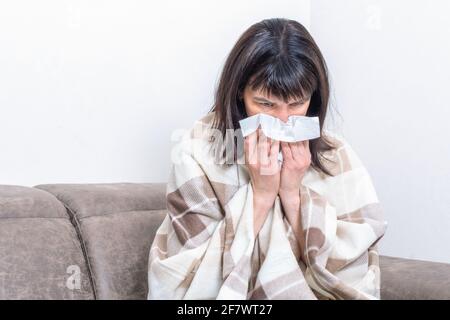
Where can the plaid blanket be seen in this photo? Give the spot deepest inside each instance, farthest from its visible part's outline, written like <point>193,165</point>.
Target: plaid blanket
<point>206,248</point>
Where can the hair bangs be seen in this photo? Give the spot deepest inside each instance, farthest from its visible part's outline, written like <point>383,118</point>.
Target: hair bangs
<point>285,80</point>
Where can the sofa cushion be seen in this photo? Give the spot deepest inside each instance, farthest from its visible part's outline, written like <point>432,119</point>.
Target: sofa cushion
<point>40,254</point>
<point>117,222</point>
<point>408,279</point>
<point>118,245</point>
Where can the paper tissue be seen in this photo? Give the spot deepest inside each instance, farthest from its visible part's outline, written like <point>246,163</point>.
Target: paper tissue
<point>297,128</point>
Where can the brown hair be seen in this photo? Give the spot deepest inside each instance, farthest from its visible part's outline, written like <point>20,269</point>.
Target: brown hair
<point>280,57</point>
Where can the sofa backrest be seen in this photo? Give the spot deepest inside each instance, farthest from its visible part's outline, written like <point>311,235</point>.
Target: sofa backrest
<point>104,231</point>
<point>40,254</point>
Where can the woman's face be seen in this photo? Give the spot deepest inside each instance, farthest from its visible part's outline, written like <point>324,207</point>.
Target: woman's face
<point>257,102</point>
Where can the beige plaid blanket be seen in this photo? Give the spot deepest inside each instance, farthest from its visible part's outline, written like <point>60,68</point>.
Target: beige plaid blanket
<point>206,247</point>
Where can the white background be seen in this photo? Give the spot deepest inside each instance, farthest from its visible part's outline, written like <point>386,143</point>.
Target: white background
<point>90,91</point>
<point>390,64</point>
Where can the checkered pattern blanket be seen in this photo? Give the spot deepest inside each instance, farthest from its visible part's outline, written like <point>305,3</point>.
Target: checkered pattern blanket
<point>206,247</point>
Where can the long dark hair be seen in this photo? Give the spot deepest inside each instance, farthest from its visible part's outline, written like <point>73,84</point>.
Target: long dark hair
<point>280,57</point>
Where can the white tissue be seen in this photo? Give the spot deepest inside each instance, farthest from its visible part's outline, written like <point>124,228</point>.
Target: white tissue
<point>297,128</point>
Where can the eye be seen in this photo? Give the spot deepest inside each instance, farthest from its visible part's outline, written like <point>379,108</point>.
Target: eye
<point>298,104</point>
<point>265,104</point>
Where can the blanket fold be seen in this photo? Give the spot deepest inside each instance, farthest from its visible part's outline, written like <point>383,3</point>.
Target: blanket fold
<point>206,249</point>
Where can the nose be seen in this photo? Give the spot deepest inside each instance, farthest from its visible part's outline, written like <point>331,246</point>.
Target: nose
<point>282,114</point>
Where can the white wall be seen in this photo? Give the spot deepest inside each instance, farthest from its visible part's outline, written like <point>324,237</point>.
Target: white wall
<point>90,91</point>
<point>390,64</point>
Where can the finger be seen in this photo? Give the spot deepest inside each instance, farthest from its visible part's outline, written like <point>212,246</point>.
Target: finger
<point>307,151</point>
<point>306,144</point>
<point>272,167</point>
<point>304,147</point>
<point>269,144</point>
<point>274,151</point>
<point>263,150</point>
<point>295,151</point>
<point>298,150</point>
<point>250,147</point>
<point>286,151</point>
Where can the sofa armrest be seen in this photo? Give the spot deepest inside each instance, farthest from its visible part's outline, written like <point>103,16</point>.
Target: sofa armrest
<point>407,279</point>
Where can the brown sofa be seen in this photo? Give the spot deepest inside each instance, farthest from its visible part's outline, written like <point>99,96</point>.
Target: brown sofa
<point>91,241</point>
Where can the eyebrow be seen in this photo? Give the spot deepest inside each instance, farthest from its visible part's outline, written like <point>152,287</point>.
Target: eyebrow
<point>265,100</point>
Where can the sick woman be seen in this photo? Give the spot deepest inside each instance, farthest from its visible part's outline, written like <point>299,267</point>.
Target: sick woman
<point>256,217</point>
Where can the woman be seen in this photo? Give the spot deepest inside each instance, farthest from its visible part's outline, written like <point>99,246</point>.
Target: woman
<point>243,225</point>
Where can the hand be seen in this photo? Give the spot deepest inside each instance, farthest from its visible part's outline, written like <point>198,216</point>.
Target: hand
<point>296,161</point>
<point>261,158</point>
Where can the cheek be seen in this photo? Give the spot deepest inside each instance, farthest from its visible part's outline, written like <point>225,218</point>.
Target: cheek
<point>251,109</point>
<point>299,112</point>
<point>302,111</point>
<point>307,107</point>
